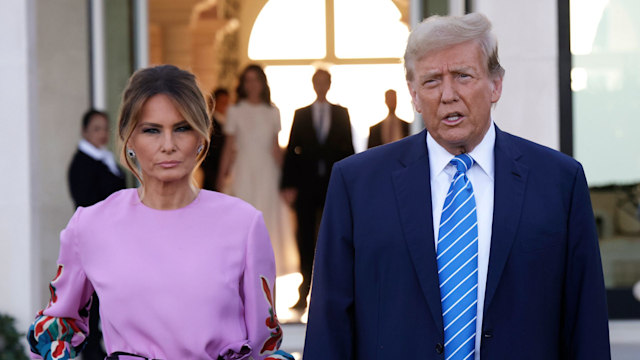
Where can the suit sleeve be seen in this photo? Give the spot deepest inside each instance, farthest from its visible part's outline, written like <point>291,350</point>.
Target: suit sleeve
<point>373,137</point>
<point>290,167</point>
<point>81,184</point>
<point>349,141</point>
<point>330,331</point>
<point>585,332</point>
<point>60,330</point>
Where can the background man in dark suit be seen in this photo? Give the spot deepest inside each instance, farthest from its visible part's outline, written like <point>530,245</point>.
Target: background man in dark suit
<point>94,174</point>
<point>218,105</point>
<point>320,136</point>
<point>528,258</point>
<point>392,128</point>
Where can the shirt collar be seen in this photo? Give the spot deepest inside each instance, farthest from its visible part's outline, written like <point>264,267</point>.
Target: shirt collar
<point>88,148</point>
<point>482,154</point>
<point>317,105</point>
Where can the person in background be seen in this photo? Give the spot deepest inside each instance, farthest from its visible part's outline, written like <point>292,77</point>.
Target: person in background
<point>94,175</point>
<point>462,241</point>
<point>253,159</point>
<point>392,128</point>
<point>170,288</point>
<point>320,136</point>
<point>218,104</point>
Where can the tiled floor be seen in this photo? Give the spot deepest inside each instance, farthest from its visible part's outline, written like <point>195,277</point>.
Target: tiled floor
<point>625,339</point>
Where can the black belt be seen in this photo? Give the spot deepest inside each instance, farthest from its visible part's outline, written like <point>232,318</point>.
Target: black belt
<point>116,355</point>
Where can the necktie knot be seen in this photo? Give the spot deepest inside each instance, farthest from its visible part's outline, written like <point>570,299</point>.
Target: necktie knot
<point>462,162</point>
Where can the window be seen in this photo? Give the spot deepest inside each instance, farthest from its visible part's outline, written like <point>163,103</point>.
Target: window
<point>361,42</point>
<point>605,82</point>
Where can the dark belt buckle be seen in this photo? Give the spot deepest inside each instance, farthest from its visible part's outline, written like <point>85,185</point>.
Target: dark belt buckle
<point>116,356</point>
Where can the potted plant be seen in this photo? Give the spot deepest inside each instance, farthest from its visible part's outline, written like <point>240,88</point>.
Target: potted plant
<point>10,345</point>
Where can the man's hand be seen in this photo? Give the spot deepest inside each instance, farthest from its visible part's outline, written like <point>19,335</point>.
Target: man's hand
<point>289,195</point>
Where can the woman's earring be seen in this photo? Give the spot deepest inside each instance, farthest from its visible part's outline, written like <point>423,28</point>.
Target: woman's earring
<point>131,153</point>
<point>200,148</point>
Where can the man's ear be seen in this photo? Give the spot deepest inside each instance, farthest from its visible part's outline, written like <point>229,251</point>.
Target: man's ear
<point>496,90</point>
<point>414,97</point>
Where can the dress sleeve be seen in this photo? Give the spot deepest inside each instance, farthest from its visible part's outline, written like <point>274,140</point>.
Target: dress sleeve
<point>263,329</point>
<point>60,330</point>
<point>277,126</point>
<point>231,125</point>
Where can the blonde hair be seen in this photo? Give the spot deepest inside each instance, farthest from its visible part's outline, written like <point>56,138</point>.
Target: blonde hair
<point>181,87</point>
<point>439,32</point>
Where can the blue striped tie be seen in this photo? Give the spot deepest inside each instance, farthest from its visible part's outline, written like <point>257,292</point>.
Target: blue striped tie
<point>458,264</point>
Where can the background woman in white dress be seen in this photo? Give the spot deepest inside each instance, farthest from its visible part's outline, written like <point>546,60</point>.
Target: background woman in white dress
<point>252,155</point>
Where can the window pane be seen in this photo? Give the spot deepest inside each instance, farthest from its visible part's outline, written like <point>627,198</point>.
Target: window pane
<point>360,88</point>
<point>290,89</point>
<point>289,29</point>
<point>605,37</point>
<point>605,43</point>
<point>369,29</point>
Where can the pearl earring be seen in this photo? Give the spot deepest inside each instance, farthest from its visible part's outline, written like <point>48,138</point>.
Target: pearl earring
<point>200,148</point>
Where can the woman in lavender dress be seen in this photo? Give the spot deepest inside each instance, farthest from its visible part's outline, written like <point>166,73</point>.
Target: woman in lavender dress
<point>181,273</point>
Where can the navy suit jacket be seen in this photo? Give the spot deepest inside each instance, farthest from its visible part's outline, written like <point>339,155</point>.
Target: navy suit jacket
<point>375,288</point>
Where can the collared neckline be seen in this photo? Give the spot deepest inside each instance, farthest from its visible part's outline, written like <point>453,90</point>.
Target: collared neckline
<point>482,154</point>
<point>92,151</point>
<point>99,154</point>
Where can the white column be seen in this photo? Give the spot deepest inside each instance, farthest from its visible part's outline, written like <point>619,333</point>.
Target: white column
<point>456,7</point>
<point>527,34</point>
<point>18,253</point>
<point>98,58</point>
<point>141,33</point>
<point>416,16</point>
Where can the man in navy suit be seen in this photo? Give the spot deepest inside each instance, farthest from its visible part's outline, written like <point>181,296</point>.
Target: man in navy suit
<point>538,289</point>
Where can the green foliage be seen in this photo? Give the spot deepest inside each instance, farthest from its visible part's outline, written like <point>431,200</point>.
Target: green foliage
<point>10,346</point>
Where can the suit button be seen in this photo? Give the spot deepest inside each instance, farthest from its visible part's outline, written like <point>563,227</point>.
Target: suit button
<point>487,334</point>
<point>439,348</point>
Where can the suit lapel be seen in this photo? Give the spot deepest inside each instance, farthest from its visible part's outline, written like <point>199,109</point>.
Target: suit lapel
<point>510,181</point>
<point>332,122</point>
<point>311,129</point>
<point>413,194</point>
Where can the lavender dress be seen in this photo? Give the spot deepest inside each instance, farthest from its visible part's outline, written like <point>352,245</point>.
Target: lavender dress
<point>190,283</point>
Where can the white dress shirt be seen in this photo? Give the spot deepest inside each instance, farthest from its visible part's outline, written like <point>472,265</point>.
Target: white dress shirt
<point>321,115</point>
<point>99,154</point>
<point>481,176</point>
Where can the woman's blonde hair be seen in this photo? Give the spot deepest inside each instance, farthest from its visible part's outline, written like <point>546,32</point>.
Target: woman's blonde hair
<point>181,87</point>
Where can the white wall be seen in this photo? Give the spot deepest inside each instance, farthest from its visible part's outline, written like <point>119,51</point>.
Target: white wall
<point>528,47</point>
<point>63,96</point>
<point>17,266</point>
<point>44,90</point>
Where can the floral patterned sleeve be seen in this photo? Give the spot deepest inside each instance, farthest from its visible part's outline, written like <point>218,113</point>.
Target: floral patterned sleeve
<point>59,331</point>
<point>264,333</point>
